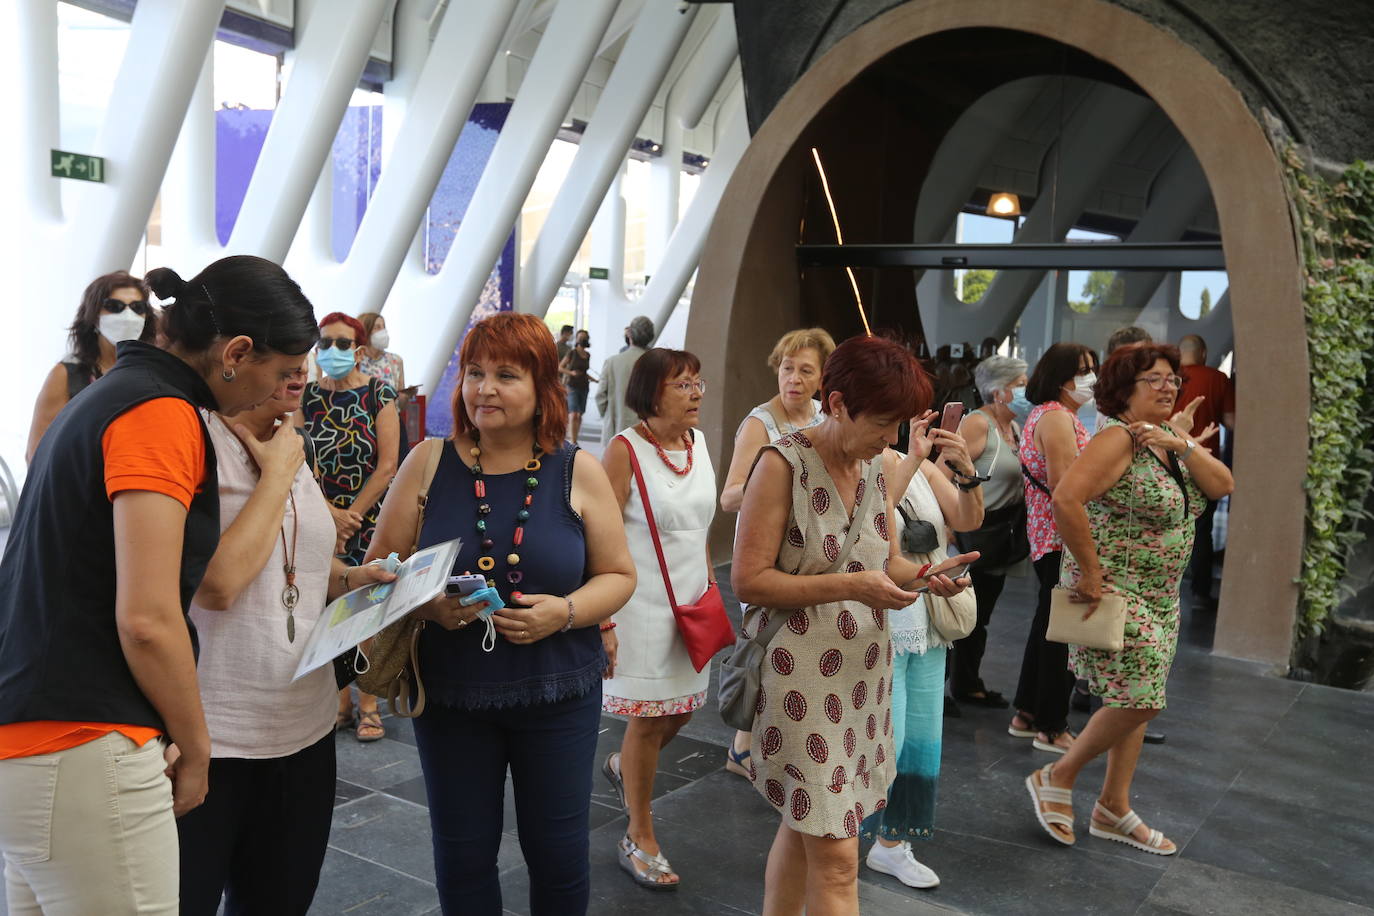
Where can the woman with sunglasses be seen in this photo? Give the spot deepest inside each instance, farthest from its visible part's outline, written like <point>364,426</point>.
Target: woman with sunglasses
<point>114,308</point>
<point>652,681</point>
<point>356,441</point>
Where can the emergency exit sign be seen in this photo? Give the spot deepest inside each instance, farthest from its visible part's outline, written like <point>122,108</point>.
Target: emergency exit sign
<point>599,273</point>
<point>77,165</point>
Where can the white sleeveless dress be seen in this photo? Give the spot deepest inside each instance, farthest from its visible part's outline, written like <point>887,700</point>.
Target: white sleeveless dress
<point>653,673</point>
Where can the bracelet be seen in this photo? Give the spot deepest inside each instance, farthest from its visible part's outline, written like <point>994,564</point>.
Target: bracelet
<point>571,611</point>
<point>1183,456</point>
<point>968,487</point>
<point>607,625</point>
<point>343,577</point>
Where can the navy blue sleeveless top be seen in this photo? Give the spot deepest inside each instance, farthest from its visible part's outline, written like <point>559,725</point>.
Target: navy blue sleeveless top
<point>553,557</point>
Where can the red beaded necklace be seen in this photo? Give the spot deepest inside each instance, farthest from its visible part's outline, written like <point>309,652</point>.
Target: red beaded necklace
<point>663,456</point>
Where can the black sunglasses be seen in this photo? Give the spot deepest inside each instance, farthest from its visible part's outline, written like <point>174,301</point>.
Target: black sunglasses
<point>342,343</point>
<point>115,306</point>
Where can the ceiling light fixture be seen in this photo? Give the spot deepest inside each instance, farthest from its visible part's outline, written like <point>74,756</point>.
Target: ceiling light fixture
<point>1004,203</point>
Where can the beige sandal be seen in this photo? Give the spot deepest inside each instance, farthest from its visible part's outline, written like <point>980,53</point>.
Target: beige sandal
<point>373,720</point>
<point>1119,830</point>
<point>1042,793</point>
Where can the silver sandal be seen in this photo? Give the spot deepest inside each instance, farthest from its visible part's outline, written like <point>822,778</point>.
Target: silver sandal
<point>657,866</point>
<point>612,774</point>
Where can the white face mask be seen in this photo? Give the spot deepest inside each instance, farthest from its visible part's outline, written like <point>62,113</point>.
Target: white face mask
<point>380,339</point>
<point>121,326</point>
<point>1083,387</point>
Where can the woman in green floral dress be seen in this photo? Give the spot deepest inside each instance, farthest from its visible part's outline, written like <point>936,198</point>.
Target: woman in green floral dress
<point>1125,510</point>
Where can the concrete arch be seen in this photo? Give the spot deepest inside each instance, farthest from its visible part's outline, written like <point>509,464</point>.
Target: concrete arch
<point>748,281</point>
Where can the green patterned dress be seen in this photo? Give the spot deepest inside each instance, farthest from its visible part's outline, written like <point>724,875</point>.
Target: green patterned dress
<point>1143,528</point>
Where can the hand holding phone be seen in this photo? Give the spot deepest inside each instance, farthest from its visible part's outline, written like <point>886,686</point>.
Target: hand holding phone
<point>951,416</point>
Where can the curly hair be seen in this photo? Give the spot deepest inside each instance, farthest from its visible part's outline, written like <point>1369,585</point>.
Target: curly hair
<point>789,344</point>
<point>1116,381</point>
<point>85,328</point>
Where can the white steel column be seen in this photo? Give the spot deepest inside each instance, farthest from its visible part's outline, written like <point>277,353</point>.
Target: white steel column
<point>707,71</point>
<point>639,70</point>
<point>168,42</point>
<point>554,75</point>
<point>1179,191</point>
<point>435,114</point>
<point>37,99</point>
<point>329,60</point>
<point>684,251</point>
<point>188,189</point>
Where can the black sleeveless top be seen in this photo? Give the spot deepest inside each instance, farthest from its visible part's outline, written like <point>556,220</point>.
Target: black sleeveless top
<point>456,671</point>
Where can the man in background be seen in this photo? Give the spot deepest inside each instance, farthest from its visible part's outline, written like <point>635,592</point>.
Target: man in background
<point>1218,407</point>
<point>564,341</point>
<point>615,379</point>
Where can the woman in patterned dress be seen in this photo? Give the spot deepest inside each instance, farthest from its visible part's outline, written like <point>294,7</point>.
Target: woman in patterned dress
<point>1050,442</point>
<point>823,725</point>
<point>1126,510</point>
<point>374,358</point>
<point>355,432</point>
<point>797,359</point>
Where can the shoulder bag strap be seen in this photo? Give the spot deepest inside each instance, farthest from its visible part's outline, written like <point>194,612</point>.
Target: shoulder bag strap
<point>649,514</point>
<point>436,451</point>
<point>1035,481</point>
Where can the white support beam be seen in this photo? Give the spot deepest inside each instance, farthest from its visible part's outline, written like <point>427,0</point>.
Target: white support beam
<point>168,43</point>
<point>553,77</point>
<point>706,72</point>
<point>638,71</point>
<point>36,49</point>
<point>188,189</point>
<point>436,111</point>
<point>328,62</point>
<point>625,18</point>
<point>684,250</point>
<point>1179,191</point>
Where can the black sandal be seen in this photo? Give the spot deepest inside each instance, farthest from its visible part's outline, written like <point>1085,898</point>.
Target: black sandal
<point>990,699</point>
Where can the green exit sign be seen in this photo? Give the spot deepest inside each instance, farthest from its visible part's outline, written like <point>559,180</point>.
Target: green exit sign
<point>77,165</point>
<point>599,273</point>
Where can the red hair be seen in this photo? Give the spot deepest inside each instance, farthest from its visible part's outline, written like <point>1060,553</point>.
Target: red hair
<point>876,375</point>
<point>524,341</point>
<point>357,326</point>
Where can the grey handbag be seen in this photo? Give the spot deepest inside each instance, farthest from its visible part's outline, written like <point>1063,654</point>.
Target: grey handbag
<point>740,671</point>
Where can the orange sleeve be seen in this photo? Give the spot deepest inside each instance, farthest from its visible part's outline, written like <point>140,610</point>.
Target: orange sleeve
<point>156,446</point>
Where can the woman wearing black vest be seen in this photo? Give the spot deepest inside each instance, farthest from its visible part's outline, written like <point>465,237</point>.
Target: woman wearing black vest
<point>117,521</point>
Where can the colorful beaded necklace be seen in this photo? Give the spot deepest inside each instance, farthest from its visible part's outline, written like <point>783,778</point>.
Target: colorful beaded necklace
<point>663,456</point>
<point>486,562</point>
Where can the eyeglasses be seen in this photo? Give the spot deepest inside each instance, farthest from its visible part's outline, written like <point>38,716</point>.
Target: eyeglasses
<point>1160,382</point>
<point>688,387</point>
<point>115,306</point>
<point>342,343</point>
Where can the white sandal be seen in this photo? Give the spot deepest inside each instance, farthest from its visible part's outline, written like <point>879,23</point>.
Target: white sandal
<point>1042,793</point>
<point>1121,829</point>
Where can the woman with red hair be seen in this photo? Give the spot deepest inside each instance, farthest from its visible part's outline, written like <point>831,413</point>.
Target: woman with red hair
<point>518,689</point>
<point>814,534</point>
<point>355,438</point>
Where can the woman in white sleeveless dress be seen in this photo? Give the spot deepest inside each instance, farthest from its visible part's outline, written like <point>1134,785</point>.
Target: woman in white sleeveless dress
<point>651,679</point>
<point>797,359</point>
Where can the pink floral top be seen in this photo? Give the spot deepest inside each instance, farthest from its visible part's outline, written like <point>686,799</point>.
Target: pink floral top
<point>1044,536</point>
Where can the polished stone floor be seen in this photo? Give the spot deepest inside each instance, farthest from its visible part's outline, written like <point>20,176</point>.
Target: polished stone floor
<point>1264,784</point>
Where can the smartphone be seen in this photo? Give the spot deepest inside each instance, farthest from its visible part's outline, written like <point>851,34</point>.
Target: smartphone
<point>952,573</point>
<point>951,416</point>
<point>464,585</point>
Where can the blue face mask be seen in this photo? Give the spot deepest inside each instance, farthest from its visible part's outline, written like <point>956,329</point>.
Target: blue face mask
<point>1019,406</point>
<point>335,363</point>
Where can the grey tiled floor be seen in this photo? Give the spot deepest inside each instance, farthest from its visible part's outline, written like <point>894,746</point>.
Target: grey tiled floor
<point>1264,784</point>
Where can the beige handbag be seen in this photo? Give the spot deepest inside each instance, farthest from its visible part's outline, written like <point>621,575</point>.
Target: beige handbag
<point>1106,628</point>
<point>393,656</point>
<point>953,618</point>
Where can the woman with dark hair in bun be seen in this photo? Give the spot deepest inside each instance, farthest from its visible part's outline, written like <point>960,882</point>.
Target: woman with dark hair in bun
<point>114,308</point>
<point>117,522</point>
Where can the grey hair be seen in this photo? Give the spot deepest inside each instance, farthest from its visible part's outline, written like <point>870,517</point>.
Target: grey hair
<point>996,373</point>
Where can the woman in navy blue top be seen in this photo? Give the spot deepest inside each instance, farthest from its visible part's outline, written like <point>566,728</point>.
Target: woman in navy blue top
<point>539,520</point>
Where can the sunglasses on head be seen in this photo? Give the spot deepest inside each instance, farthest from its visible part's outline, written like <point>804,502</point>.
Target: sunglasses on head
<point>115,306</point>
<point>342,343</point>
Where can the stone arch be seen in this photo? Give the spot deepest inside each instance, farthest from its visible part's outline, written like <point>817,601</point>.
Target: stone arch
<point>746,291</point>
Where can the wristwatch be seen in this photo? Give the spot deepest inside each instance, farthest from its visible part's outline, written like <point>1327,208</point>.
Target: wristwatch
<point>1183,456</point>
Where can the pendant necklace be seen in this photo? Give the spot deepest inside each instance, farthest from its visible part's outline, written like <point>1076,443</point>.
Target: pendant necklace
<point>663,456</point>
<point>291,595</point>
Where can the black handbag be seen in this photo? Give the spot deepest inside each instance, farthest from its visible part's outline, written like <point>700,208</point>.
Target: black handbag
<point>1002,540</point>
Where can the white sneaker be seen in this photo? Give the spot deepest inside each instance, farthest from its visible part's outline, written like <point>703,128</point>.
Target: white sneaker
<point>898,862</point>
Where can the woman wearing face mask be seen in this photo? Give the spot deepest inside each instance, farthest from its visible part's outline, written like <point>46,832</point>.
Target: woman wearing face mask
<point>523,697</point>
<point>355,432</point>
<point>114,308</point>
<point>796,359</point>
<point>1061,384</point>
<point>117,522</point>
<point>993,438</point>
<point>374,358</point>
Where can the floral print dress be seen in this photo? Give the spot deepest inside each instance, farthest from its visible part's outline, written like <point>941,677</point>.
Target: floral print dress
<point>822,735</point>
<point>1043,535</point>
<point>1143,528</point>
